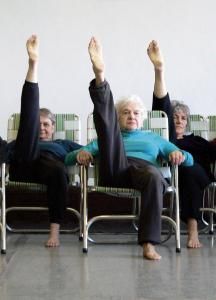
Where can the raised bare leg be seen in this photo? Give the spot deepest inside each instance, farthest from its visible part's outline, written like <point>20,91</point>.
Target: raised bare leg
<point>96,56</point>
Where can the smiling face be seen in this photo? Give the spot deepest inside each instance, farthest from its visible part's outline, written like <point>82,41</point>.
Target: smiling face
<point>130,116</point>
<point>180,122</point>
<point>46,128</point>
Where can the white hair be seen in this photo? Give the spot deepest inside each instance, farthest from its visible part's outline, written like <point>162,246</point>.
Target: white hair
<point>134,99</point>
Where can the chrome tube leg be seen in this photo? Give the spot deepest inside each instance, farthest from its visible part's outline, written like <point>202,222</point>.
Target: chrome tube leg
<point>85,211</point>
<point>178,243</point>
<point>3,213</point>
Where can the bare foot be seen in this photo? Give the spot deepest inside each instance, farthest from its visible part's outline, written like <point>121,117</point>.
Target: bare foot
<point>53,240</point>
<point>149,252</point>
<point>155,55</point>
<point>96,56</point>
<point>193,237</point>
<point>32,46</point>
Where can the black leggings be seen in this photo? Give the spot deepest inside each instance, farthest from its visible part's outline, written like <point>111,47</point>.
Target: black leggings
<point>30,165</point>
<point>118,170</point>
<point>192,182</point>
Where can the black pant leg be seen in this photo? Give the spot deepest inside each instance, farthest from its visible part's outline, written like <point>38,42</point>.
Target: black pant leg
<point>113,169</point>
<point>148,179</point>
<point>26,146</point>
<point>192,182</point>
<point>53,174</point>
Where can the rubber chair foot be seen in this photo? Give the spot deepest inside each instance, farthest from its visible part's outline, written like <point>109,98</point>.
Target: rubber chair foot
<point>3,251</point>
<point>178,250</point>
<point>211,232</point>
<point>85,250</point>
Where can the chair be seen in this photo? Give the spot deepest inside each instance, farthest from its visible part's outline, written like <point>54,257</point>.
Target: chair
<point>67,127</point>
<point>198,125</point>
<point>209,201</point>
<point>206,128</point>
<point>157,121</point>
<point>2,209</point>
<point>212,127</point>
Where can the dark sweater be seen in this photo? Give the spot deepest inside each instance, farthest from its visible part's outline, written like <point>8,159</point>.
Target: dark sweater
<point>29,107</point>
<point>203,151</point>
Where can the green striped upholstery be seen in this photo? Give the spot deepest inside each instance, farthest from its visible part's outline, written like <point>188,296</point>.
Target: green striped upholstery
<point>212,127</point>
<point>198,125</point>
<point>67,127</point>
<point>156,121</point>
<point>206,128</point>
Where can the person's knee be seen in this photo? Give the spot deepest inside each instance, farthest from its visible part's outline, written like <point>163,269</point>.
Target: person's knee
<point>58,172</point>
<point>154,175</point>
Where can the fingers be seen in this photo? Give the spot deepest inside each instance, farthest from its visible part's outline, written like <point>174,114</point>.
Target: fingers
<point>84,158</point>
<point>176,157</point>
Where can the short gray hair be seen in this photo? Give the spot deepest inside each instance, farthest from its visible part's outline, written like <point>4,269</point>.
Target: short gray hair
<point>180,106</point>
<point>45,112</point>
<point>123,101</point>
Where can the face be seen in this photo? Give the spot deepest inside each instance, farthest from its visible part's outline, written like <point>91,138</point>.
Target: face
<point>130,117</point>
<point>46,129</point>
<point>180,121</point>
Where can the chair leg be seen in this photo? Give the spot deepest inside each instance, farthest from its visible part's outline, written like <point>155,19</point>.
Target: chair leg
<point>84,212</point>
<point>178,243</point>
<point>3,219</point>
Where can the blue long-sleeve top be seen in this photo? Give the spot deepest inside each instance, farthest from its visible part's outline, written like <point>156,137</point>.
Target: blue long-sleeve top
<point>139,144</point>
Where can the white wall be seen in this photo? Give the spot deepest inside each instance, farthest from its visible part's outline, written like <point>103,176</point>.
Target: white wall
<point>185,30</point>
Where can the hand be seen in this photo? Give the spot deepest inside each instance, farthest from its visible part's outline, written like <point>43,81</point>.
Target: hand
<point>84,158</point>
<point>176,157</point>
<point>155,55</point>
<point>32,46</point>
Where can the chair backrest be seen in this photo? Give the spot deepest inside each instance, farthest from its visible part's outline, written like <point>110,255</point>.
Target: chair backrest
<point>156,121</point>
<point>198,125</point>
<point>68,126</point>
<point>212,127</point>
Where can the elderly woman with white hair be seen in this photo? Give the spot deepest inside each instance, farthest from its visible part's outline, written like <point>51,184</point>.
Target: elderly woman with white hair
<point>193,180</point>
<point>128,154</point>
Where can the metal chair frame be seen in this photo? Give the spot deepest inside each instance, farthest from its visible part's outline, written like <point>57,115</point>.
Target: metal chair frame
<point>206,128</point>
<point>2,209</point>
<point>153,122</point>
<point>67,126</point>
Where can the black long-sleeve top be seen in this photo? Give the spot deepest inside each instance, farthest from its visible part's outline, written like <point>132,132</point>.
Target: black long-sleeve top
<point>202,150</point>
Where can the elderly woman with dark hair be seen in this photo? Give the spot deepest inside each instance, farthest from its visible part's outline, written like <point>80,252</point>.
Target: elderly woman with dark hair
<point>127,154</point>
<point>34,156</point>
<point>192,180</point>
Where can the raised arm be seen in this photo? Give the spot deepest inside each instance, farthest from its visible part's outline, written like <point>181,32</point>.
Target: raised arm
<point>32,46</point>
<point>161,100</point>
<point>157,60</point>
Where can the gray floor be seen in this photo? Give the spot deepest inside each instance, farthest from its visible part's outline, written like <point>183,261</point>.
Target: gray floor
<point>31,271</point>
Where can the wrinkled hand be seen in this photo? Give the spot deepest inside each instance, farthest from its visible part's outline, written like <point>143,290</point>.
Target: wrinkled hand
<point>176,157</point>
<point>84,158</point>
